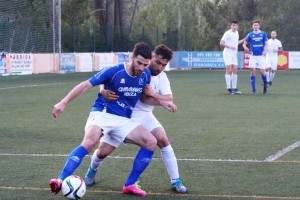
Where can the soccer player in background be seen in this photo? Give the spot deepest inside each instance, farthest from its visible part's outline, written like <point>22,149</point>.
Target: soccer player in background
<point>143,113</point>
<point>274,46</point>
<point>230,42</point>
<point>259,46</point>
<point>127,80</point>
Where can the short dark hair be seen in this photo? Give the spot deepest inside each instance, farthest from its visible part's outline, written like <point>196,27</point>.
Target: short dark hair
<point>255,21</point>
<point>164,51</point>
<point>142,49</point>
<point>234,22</point>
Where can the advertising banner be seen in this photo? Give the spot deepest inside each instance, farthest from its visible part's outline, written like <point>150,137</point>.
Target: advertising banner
<point>123,57</point>
<point>283,61</point>
<point>246,59</point>
<point>21,64</point>
<point>294,60</point>
<point>85,62</point>
<point>3,66</point>
<point>67,62</point>
<point>201,59</point>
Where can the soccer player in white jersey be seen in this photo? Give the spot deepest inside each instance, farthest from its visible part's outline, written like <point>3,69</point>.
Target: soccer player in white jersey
<point>230,42</point>
<point>274,45</point>
<point>127,80</point>
<point>143,113</point>
<point>259,46</point>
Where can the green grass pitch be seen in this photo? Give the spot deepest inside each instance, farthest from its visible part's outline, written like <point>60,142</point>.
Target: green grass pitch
<point>221,141</point>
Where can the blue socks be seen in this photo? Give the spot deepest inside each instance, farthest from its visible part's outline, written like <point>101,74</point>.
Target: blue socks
<point>73,161</point>
<point>264,78</point>
<point>253,83</point>
<point>141,161</point>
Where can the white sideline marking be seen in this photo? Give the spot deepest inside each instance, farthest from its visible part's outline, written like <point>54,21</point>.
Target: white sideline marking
<point>128,157</point>
<point>25,86</point>
<point>282,152</point>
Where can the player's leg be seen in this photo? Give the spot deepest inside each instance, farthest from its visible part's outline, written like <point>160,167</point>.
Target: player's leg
<point>252,66</point>
<point>147,142</point>
<point>91,137</point>
<point>273,70</point>
<point>228,73</point>
<point>106,147</point>
<point>234,79</point>
<point>272,76</point>
<point>262,67</point>
<point>169,158</point>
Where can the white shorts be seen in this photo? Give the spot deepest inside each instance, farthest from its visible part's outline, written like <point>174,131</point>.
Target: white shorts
<point>230,59</point>
<point>257,62</point>
<point>271,62</point>
<point>148,120</point>
<point>112,125</point>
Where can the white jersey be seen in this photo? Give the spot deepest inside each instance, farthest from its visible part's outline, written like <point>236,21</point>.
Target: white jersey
<point>160,84</point>
<point>273,47</point>
<point>232,39</point>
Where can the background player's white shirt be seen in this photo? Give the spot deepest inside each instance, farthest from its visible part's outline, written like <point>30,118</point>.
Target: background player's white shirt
<point>231,38</point>
<point>273,45</point>
<point>160,84</point>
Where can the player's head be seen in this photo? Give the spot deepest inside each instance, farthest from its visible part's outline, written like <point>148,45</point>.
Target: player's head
<point>234,25</point>
<point>141,56</point>
<point>161,56</point>
<point>256,25</point>
<point>273,34</point>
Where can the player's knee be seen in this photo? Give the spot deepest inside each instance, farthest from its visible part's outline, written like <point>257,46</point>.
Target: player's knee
<point>162,141</point>
<point>151,143</point>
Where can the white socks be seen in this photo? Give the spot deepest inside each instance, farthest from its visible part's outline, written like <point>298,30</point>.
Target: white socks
<point>95,161</point>
<point>234,81</point>
<point>170,161</point>
<point>228,81</point>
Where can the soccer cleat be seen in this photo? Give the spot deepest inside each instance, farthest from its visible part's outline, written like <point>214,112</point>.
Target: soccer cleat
<point>134,189</point>
<point>230,91</point>
<point>253,93</point>
<point>265,89</point>
<point>89,178</point>
<point>236,91</point>
<point>270,83</point>
<point>55,185</point>
<point>178,186</point>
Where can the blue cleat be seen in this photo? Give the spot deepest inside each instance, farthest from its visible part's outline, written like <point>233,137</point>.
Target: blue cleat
<point>178,186</point>
<point>89,178</point>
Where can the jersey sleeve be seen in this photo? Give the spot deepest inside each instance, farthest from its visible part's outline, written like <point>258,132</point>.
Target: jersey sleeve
<point>103,76</point>
<point>248,38</point>
<point>224,37</point>
<point>265,37</point>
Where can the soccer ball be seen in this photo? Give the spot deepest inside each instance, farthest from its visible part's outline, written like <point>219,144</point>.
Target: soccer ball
<point>73,187</point>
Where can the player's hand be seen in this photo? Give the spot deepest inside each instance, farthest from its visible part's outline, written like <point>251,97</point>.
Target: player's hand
<point>170,106</point>
<point>57,109</point>
<point>109,95</point>
<point>148,91</point>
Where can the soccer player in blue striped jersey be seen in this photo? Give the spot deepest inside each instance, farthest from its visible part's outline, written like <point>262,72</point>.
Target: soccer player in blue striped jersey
<point>113,118</point>
<point>258,48</point>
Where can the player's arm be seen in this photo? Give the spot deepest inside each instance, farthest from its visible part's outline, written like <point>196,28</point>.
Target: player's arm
<point>224,44</point>
<point>108,94</point>
<point>241,41</point>
<point>150,93</point>
<point>75,92</point>
<point>245,46</point>
<point>265,49</point>
<point>169,104</point>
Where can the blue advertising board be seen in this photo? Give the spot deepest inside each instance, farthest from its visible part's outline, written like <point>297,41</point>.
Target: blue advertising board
<point>201,59</point>
<point>67,62</point>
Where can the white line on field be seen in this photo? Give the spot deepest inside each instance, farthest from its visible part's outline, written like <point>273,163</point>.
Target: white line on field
<point>282,152</point>
<point>26,86</point>
<point>128,157</point>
